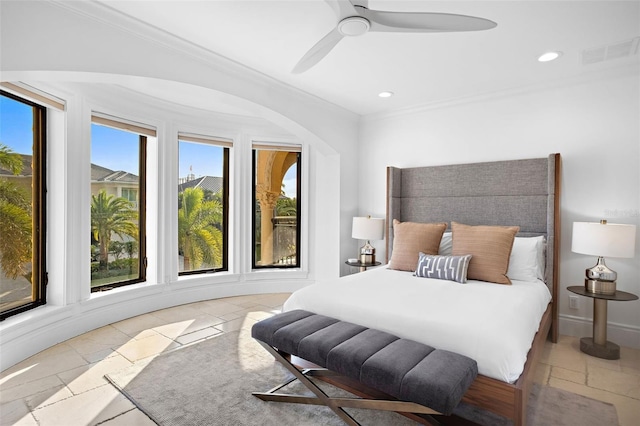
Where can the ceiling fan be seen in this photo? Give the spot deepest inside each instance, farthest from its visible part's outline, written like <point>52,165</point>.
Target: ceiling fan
<point>355,18</point>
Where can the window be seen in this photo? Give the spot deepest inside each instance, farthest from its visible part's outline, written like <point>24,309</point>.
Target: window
<point>276,206</point>
<point>130,195</point>
<point>203,204</point>
<point>22,205</point>
<point>118,182</point>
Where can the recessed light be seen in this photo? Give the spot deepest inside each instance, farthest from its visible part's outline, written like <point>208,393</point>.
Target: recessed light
<point>385,94</point>
<point>549,56</point>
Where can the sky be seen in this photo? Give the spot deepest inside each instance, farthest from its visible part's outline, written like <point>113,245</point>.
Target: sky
<point>117,149</point>
<point>16,123</point>
<point>199,159</point>
<point>290,182</point>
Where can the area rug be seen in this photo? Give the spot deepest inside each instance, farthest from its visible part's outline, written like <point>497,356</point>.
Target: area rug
<point>210,383</point>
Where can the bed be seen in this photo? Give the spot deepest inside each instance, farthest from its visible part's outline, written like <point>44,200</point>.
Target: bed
<point>502,327</point>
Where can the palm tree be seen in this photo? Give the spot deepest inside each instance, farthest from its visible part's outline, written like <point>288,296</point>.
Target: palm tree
<point>199,236</point>
<point>286,207</point>
<point>111,215</point>
<point>10,160</point>
<point>15,218</point>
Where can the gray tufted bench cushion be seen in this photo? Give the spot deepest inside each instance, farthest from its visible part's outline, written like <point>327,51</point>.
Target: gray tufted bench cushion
<point>402,368</point>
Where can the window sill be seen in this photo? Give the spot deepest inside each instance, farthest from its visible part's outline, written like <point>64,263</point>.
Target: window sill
<point>272,274</point>
<point>128,290</point>
<point>206,279</point>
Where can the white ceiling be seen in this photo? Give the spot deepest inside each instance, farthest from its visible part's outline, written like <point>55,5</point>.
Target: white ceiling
<point>421,69</point>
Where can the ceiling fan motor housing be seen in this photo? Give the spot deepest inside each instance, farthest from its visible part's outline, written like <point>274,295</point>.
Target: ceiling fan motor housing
<point>353,26</point>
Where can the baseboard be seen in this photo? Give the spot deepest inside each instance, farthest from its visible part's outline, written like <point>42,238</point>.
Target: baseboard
<point>620,334</point>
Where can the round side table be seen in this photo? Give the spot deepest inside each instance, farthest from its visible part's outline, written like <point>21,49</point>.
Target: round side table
<point>598,345</point>
<point>363,266</point>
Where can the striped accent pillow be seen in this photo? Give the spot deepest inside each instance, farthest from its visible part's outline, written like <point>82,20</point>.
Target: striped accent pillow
<point>452,268</point>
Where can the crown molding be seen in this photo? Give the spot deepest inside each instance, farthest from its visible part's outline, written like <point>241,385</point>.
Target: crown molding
<point>626,70</point>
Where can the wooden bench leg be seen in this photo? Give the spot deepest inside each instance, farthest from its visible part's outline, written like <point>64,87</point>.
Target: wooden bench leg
<point>335,404</point>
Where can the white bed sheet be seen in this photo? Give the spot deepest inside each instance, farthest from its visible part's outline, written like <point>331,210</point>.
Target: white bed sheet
<point>491,323</point>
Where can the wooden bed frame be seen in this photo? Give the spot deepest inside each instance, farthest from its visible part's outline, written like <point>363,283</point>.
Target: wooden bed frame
<point>517,192</point>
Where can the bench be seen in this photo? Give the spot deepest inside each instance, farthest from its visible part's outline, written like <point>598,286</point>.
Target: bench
<point>420,379</point>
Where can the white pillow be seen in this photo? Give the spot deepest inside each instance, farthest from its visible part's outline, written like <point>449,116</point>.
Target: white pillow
<point>446,244</point>
<point>526,262</point>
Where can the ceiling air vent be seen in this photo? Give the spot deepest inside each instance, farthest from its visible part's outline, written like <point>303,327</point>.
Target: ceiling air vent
<point>612,51</point>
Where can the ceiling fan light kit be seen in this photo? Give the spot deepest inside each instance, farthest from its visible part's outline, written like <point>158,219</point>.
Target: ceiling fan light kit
<point>353,26</point>
<point>355,19</point>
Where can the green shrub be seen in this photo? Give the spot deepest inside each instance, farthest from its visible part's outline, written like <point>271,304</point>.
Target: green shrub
<point>128,264</point>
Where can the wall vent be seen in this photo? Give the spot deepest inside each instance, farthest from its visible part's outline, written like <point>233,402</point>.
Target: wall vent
<point>610,52</point>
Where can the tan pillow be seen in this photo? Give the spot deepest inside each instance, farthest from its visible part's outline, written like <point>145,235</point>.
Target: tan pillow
<point>490,247</point>
<point>411,238</point>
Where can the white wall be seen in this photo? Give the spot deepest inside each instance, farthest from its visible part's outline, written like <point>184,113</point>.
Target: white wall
<point>593,123</point>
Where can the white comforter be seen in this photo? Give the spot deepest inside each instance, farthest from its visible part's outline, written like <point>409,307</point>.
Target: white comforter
<point>491,323</point>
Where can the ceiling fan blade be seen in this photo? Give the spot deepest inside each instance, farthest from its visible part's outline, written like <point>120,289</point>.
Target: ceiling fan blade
<point>342,8</point>
<point>318,51</point>
<point>383,21</point>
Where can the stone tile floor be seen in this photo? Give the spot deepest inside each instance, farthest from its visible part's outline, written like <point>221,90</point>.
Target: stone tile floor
<point>65,385</point>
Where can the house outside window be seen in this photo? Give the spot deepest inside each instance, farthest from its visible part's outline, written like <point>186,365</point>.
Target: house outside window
<point>276,206</point>
<point>118,204</point>
<point>203,204</point>
<point>22,205</point>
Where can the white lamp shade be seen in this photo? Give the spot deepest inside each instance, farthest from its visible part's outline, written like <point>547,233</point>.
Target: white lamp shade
<point>367,228</point>
<point>606,240</point>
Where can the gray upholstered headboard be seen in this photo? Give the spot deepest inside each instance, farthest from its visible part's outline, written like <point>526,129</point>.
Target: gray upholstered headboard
<point>515,192</point>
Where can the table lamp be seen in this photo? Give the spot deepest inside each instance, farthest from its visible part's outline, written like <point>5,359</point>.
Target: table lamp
<point>367,228</point>
<point>603,239</point>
